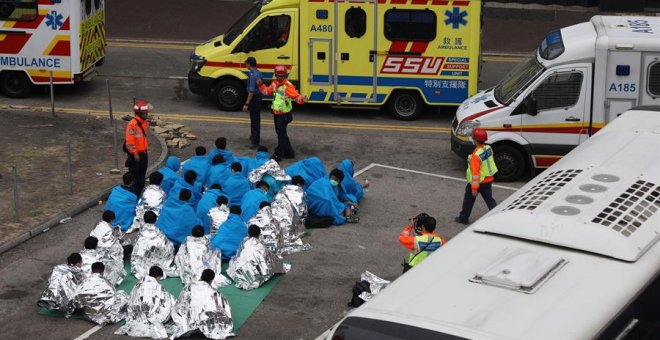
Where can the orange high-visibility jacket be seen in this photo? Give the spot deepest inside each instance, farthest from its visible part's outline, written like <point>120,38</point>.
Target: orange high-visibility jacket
<point>136,138</point>
<point>290,91</point>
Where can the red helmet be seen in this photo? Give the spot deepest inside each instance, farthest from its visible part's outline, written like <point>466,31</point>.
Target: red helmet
<point>280,70</point>
<point>142,106</point>
<point>480,135</point>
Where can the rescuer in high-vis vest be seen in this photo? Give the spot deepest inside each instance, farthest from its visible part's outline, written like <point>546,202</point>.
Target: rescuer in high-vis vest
<point>284,93</point>
<point>480,171</point>
<point>420,237</point>
<point>137,144</point>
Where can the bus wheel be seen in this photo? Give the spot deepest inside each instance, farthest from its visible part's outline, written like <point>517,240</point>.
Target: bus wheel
<point>510,163</point>
<point>230,95</point>
<point>405,105</point>
<point>15,84</point>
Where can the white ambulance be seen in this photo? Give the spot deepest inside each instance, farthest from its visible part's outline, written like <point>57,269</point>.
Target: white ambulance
<point>581,78</point>
<point>572,255</point>
<point>66,37</point>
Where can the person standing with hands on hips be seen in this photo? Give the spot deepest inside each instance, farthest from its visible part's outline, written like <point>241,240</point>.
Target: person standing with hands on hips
<point>480,171</point>
<point>284,92</point>
<point>253,102</point>
<point>137,144</point>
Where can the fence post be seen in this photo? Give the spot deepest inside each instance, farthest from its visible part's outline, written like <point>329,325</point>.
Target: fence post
<point>17,206</point>
<point>68,168</point>
<point>114,142</point>
<point>52,95</point>
<point>107,84</point>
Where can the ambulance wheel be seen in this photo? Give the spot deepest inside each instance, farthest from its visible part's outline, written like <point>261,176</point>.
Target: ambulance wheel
<point>510,163</point>
<point>15,84</point>
<point>230,95</point>
<point>405,105</point>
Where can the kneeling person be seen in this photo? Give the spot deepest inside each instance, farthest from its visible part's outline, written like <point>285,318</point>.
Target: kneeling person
<point>62,285</point>
<point>98,299</point>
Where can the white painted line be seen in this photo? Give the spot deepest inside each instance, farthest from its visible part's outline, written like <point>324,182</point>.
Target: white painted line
<point>177,77</point>
<point>89,333</point>
<point>372,165</point>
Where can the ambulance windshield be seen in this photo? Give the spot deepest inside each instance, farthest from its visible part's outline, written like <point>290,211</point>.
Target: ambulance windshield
<point>239,26</point>
<point>522,75</point>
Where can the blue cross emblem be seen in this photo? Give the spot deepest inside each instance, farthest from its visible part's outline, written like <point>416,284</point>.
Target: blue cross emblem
<point>480,99</point>
<point>54,20</point>
<point>455,18</point>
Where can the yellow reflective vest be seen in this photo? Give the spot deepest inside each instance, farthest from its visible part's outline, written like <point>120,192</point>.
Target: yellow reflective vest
<point>424,246</point>
<point>487,167</point>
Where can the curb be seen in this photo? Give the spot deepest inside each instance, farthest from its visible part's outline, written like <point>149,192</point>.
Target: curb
<point>86,204</point>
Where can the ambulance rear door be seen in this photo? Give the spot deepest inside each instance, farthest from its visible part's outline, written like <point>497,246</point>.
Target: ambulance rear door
<point>622,87</point>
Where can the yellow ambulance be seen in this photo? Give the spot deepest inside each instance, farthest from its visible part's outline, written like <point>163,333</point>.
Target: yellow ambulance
<point>401,53</point>
<point>66,37</point>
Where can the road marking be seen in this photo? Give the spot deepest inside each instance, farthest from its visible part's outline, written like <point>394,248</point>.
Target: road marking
<point>372,165</point>
<point>89,333</point>
<point>177,77</point>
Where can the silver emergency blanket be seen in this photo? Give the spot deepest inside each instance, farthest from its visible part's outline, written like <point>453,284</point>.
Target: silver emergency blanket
<point>152,248</point>
<point>271,167</point>
<point>152,199</point>
<point>114,269</point>
<point>201,307</point>
<point>195,255</point>
<point>62,285</point>
<point>218,216</point>
<point>271,236</point>
<point>99,300</point>
<point>253,265</point>
<point>376,284</point>
<point>289,208</point>
<point>149,307</point>
<point>108,241</point>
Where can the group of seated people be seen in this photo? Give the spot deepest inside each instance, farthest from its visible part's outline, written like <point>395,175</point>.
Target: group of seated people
<point>216,207</point>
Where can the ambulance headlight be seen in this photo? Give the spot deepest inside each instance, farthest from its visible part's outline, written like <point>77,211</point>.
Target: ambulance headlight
<point>196,62</point>
<point>465,128</point>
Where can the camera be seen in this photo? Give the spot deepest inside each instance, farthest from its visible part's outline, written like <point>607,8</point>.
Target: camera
<point>416,222</point>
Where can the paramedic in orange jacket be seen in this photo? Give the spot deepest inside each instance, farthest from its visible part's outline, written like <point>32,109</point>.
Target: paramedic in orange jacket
<point>283,93</point>
<point>137,144</point>
<point>420,238</point>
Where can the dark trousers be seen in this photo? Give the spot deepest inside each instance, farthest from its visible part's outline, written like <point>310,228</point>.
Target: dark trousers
<point>283,148</point>
<point>139,171</point>
<point>486,191</point>
<point>255,119</point>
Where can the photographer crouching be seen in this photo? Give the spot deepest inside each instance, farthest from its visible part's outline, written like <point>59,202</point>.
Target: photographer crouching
<point>420,237</point>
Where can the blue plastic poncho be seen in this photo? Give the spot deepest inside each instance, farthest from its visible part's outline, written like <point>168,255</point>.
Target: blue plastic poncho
<point>170,173</point>
<point>246,164</point>
<point>176,220</point>
<point>322,201</point>
<point>235,187</point>
<point>229,236</point>
<point>227,154</point>
<point>259,159</point>
<point>205,204</point>
<point>349,189</point>
<point>198,164</point>
<point>274,186</point>
<point>217,174</point>
<point>195,189</point>
<point>122,202</point>
<point>251,201</point>
<point>310,169</point>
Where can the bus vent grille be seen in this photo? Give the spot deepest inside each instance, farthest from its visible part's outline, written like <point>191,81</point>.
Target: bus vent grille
<point>541,191</point>
<point>631,209</point>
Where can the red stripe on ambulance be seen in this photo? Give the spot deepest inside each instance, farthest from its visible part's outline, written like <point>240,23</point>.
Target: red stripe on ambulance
<point>61,48</point>
<point>13,43</point>
<point>419,46</point>
<point>29,24</point>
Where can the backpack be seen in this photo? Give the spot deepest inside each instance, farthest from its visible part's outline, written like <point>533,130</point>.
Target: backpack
<point>359,288</point>
<point>314,221</point>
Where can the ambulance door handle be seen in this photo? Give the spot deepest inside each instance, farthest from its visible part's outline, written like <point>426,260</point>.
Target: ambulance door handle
<point>572,119</point>
<point>283,57</point>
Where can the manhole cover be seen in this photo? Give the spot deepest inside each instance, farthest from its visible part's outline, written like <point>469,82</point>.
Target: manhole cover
<point>565,211</point>
<point>605,178</point>
<point>579,199</point>
<point>593,188</point>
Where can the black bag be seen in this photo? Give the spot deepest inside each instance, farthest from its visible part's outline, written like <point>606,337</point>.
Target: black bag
<point>359,288</point>
<point>314,221</point>
<point>406,266</point>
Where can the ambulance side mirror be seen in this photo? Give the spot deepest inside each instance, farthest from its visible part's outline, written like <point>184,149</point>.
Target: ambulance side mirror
<point>530,105</point>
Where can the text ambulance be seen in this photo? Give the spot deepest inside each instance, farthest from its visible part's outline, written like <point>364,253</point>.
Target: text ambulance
<point>403,53</point>
<point>66,37</point>
<point>581,78</point>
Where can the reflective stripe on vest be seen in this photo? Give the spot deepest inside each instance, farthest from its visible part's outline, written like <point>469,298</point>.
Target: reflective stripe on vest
<point>432,243</point>
<point>488,167</point>
<point>281,102</point>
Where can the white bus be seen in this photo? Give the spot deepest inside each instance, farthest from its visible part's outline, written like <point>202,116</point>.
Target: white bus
<point>571,255</point>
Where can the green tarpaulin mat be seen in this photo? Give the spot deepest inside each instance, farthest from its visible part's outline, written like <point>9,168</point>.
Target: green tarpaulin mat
<point>243,303</point>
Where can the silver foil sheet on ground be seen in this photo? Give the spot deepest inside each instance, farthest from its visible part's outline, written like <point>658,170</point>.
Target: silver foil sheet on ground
<point>152,199</point>
<point>108,241</point>
<point>271,236</point>
<point>99,300</point>
<point>376,284</point>
<point>62,285</point>
<point>289,210</point>
<point>114,269</point>
<point>271,167</point>
<point>195,255</point>
<point>253,265</point>
<point>218,216</point>
<point>201,307</point>
<point>152,248</point>
<point>149,306</point>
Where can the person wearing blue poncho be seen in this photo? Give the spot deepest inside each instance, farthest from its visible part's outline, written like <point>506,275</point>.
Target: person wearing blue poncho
<point>170,173</point>
<point>122,202</point>
<point>310,169</point>
<point>220,149</point>
<point>188,181</point>
<point>230,234</point>
<point>236,185</point>
<point>252,199</point>
<point>260,158</point>
<point>323,199</point>
<point>177,218</point>
<point>273,185</point>
<point>350,190</point>
<point>218,172</point>
<point>198,163</point>
<point>207,203</point>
